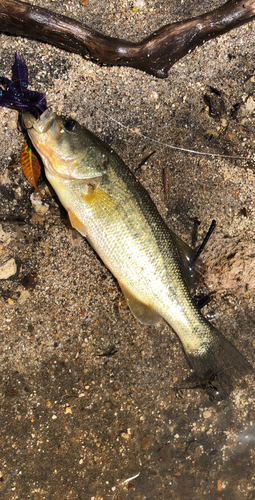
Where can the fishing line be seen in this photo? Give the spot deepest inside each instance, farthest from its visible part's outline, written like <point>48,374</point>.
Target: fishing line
<point>193,151</point>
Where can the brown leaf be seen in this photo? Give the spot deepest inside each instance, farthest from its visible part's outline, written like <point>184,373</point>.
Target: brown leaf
<point>30,166</point>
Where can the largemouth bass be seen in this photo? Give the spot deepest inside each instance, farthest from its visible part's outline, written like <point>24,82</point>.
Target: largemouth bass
<point>108,205</point>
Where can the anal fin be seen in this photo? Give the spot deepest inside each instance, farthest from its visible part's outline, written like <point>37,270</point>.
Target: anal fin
<point>141,311</point>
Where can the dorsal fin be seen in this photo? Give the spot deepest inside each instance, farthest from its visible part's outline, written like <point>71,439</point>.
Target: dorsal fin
<point>192,273</point>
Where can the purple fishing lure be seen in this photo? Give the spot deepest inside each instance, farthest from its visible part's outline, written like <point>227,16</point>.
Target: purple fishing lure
<point>14,94</point>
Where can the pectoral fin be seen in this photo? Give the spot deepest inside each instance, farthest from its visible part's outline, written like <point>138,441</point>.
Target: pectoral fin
<point>96,197</point>
<point>141,311</point>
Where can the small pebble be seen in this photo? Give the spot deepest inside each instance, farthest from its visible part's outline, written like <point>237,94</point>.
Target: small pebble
<point>8,269</point>
<point>207,414</point>
<point>125,435</point>
<point>24,294</point>
<point>38,205</point>
<point>140,4</point>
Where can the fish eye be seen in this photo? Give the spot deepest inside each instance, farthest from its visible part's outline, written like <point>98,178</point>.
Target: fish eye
<point>70,125</point>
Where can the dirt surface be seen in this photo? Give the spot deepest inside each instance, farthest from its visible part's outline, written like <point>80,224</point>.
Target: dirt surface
<point>90,407</point>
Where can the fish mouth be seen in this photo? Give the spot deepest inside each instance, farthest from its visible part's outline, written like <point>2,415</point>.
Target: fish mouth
<point>40,125</point>
<point>28,120</point>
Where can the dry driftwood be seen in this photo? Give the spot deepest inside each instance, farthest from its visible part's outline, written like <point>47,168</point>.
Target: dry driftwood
<point>154,54</point>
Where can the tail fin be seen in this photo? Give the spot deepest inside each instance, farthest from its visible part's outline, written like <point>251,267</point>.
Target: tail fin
<point>218,365</point>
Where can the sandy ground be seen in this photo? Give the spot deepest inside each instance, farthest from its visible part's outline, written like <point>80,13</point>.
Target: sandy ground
<point>88,395</point>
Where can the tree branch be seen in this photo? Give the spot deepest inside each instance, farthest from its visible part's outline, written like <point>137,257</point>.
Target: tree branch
<point>154,54</point>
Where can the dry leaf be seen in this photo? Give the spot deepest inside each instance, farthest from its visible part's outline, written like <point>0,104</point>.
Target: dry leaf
<point>30,166</point>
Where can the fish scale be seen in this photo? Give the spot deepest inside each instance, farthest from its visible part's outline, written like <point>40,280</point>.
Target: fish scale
<point>108,205</point>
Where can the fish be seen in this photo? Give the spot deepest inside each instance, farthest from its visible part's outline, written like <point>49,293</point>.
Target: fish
<point>108,205</point>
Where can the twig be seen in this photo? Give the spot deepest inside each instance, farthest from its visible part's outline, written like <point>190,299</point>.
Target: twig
<point>154,54</point>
